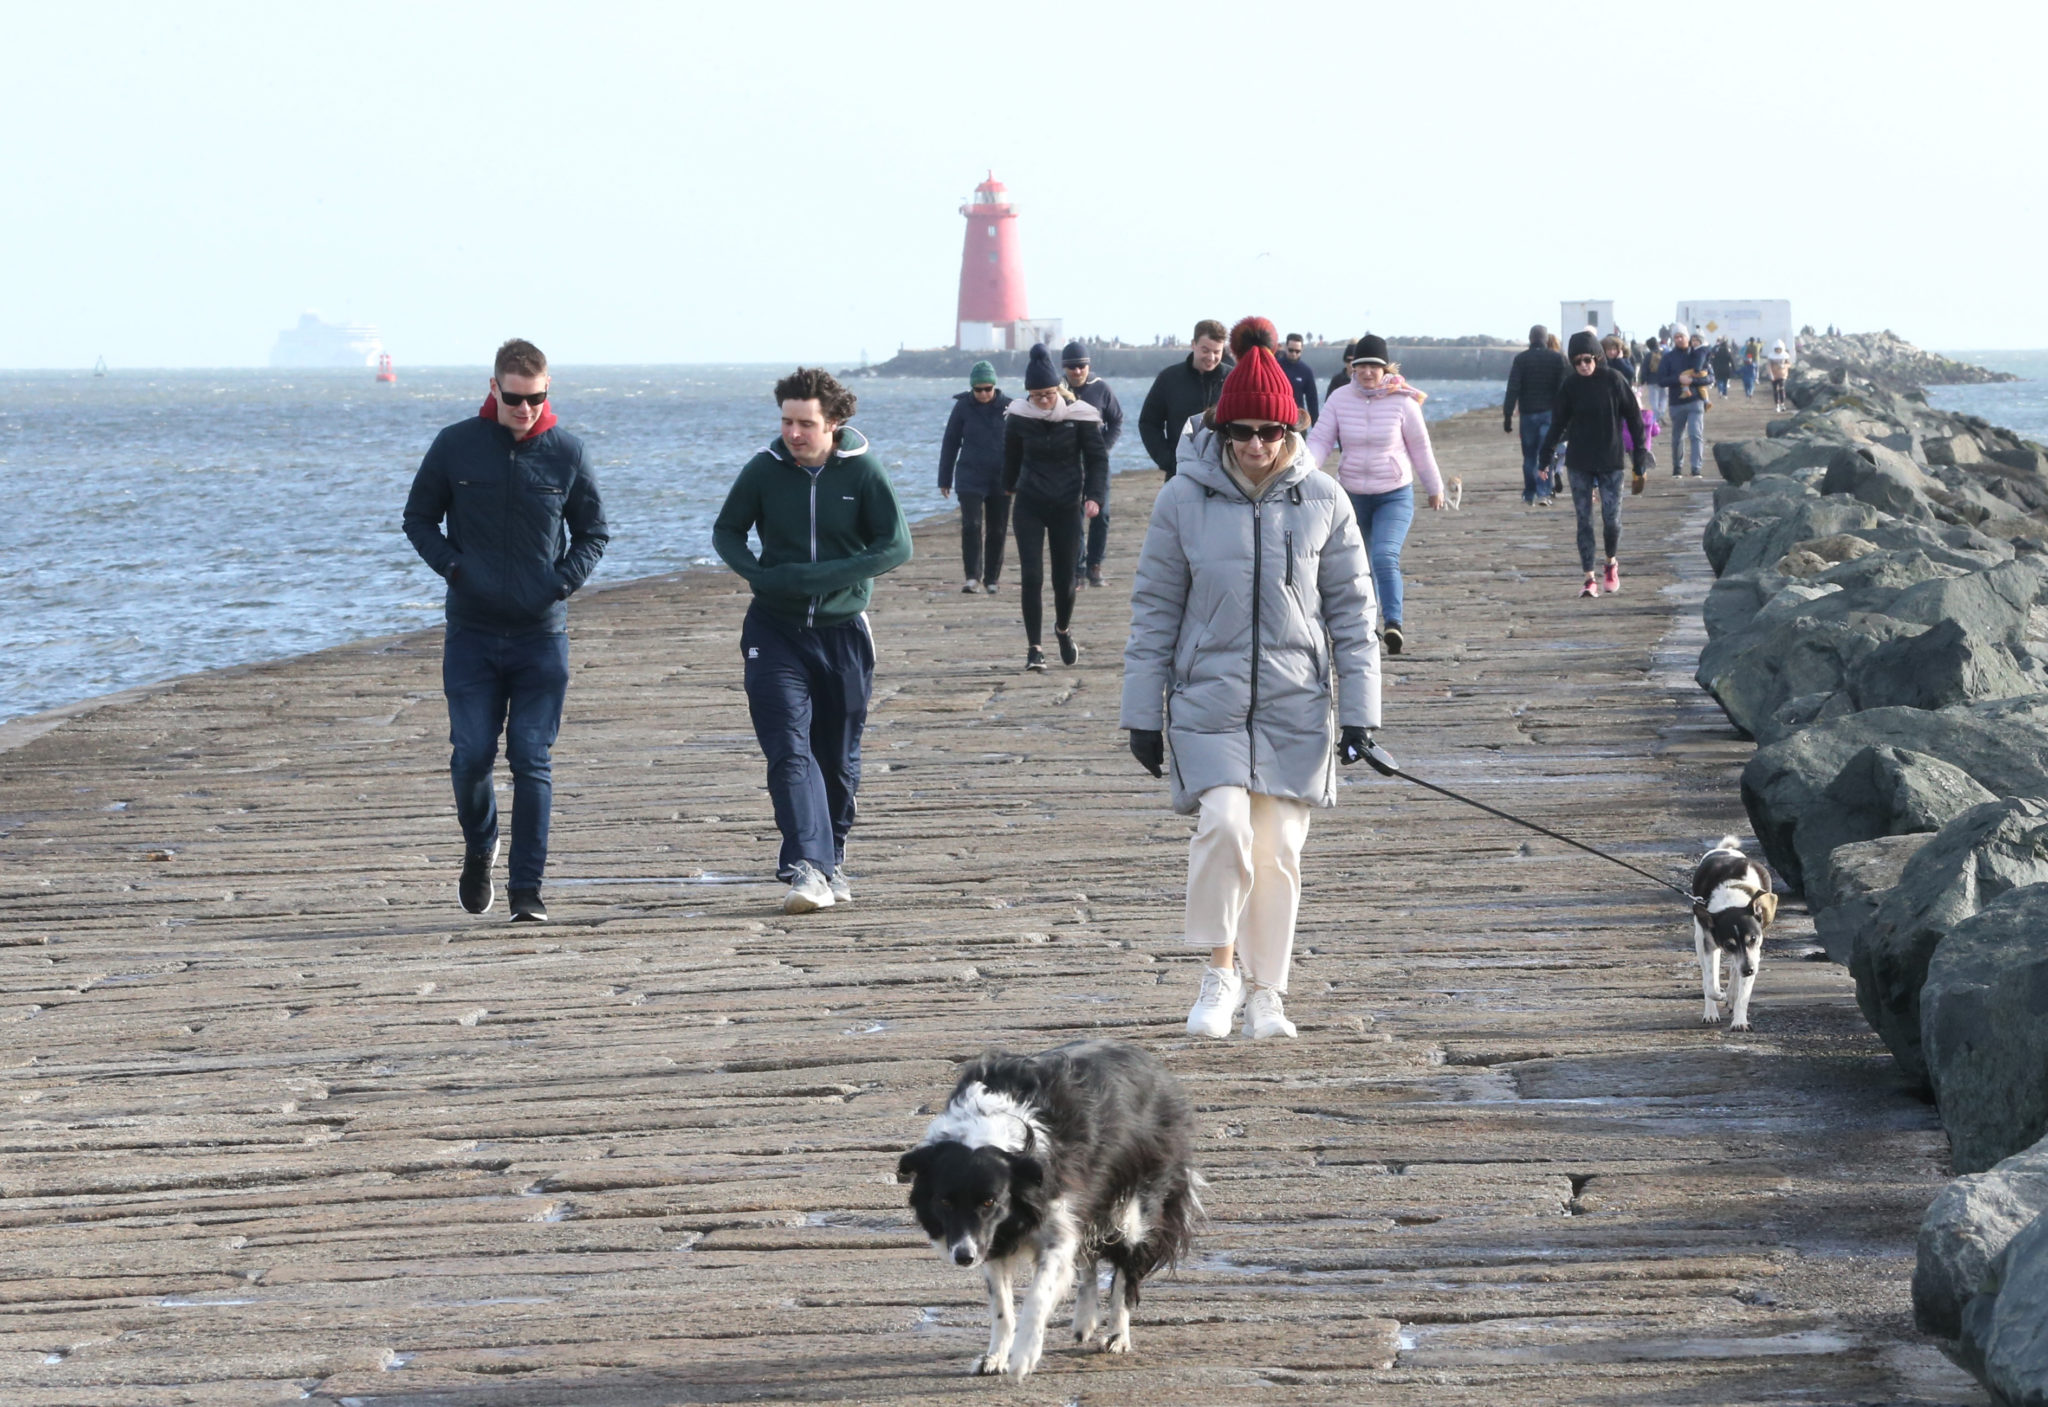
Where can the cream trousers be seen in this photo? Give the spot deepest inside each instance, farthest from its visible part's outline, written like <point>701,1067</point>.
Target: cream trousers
<point>1244,879</point>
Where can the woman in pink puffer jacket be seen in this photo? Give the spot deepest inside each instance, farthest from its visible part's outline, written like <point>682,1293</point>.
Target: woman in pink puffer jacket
<point>1377,423</point>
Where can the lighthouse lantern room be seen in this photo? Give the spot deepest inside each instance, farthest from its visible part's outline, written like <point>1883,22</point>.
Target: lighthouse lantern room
<point>992,316</point>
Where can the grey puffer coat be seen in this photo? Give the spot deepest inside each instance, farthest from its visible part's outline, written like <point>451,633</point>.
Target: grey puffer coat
<point>1240,613</point>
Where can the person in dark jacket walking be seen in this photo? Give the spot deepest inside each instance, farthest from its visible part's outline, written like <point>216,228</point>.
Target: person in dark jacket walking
<point>525,529</point>
<point>829,525</point>
<point>1684,374</point>
<point>1183,391</point>
<point>1722,360</point>
<point>1055,464</point>
<point>1085,386</point>
<point>971,459</point>
<point>1618,358</point>
<point>1533,381</point>
<point>1300,376</point>
<point>1343,376</point>
<point>1592,408</point>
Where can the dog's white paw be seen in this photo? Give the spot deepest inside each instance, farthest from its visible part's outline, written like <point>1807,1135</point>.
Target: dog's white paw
<point>1118,1343</point>
<point>991,1366</point>
<point>1023,1358</point>
<point>1711,1016</point>
<point>1738,1025</point>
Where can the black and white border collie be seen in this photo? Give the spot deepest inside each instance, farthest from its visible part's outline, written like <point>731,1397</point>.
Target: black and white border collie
<point>1732,905</point>
<point>1075,1155</point>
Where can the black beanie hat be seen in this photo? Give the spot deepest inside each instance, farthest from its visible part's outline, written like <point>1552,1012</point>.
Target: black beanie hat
<point>1371,348</point>
<point>1039,372</point>
<point>1585,343</point>
<point>1074,354</point>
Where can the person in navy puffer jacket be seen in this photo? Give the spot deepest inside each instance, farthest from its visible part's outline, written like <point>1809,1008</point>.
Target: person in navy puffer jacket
<point>1685,374</point>
<point>525,529</point>
<point>971,461</point>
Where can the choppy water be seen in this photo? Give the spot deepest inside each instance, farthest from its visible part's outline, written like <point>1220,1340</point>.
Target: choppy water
<point>2017,405</point>
<point>178,521</point>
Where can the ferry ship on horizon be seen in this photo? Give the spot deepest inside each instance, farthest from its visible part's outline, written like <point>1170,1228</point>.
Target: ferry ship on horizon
<point>316,343</point>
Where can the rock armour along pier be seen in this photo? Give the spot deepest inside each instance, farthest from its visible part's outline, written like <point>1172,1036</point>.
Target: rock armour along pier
<point>283,1124</point>
<point>1880,624</point>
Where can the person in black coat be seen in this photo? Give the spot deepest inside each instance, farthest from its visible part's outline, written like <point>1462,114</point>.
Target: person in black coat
<point>1183,391</point>
<point>1590,410</point>
<point>1086,386</point>
<point>971,459</point>
<point>1055,463</point>
<point>1533,381</point>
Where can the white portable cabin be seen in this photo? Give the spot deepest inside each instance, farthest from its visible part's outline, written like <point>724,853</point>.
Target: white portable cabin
<point>1739,319</point>
<point>1594,313</point>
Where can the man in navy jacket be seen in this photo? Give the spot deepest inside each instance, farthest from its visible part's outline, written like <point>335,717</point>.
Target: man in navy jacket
<point>1086,386</point>
<point>525,528</point>
<point>1300,376</point>
<point>1684,373</point>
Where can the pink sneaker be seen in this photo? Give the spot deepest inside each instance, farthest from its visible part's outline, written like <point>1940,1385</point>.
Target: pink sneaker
<point>1589,589</point>
<point>1612,580</point>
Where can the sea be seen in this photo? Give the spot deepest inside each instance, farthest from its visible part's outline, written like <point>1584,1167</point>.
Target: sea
<point>179,521</point>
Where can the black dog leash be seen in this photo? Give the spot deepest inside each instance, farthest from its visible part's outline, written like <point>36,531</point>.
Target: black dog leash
<point>1382,762</point>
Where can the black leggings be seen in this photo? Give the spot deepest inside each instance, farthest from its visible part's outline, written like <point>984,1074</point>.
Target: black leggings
<point>983,521</point>
<point>1040,526</point>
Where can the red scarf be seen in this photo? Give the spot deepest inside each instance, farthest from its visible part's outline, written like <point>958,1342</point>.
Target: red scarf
<point>540,426</point>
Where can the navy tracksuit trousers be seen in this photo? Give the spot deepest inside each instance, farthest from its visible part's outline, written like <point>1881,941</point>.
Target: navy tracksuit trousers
<point>807,692</point>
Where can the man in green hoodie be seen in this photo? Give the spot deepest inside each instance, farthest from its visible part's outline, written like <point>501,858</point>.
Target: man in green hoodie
<point>829,524</point>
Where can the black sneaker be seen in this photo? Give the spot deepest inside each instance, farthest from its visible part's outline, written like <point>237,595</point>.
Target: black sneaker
<point>1069,652</point>
<point>1095,576</point>
<point>527,907</point>
<point>474,888</point>
<point>1392,638</point>
<point>1034,658</point>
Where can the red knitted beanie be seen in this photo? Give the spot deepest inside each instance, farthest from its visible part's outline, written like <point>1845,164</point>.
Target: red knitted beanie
<point>1257,389</point>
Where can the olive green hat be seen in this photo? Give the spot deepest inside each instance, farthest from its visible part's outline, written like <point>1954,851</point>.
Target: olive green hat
<point>984,374</point>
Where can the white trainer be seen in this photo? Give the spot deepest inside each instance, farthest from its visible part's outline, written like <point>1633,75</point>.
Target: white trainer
<point>1264,1017</point>
<point>842,892</point>
<point>808,890</point>
<point>1215,1010</point>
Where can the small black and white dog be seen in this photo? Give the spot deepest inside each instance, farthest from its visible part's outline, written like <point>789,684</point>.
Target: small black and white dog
<point>1732,905</point>
<point>1075,1155</point>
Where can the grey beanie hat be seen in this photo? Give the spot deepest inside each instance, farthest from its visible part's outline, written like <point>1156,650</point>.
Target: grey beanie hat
<point>1074,354</point>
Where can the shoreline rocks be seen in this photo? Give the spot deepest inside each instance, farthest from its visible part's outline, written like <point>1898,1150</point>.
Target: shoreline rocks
<point>1879,624</point>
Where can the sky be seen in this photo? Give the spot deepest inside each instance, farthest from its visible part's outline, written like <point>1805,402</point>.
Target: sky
<point>667,182</point>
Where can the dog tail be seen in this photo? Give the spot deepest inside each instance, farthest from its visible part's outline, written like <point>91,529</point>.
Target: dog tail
<point>1180,1216</point>
<point>1729,842</point>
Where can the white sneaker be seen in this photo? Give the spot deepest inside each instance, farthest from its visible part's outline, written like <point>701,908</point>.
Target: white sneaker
<point>808,890</point>
<point>1215,1010</point>
<point>1264,1017</point>
<point>842,892</point>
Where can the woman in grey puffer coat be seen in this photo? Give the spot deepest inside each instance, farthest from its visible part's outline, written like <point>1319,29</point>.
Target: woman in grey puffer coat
<point>1253,593</point>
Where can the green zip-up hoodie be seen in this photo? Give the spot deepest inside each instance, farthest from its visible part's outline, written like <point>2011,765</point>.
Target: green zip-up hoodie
<point>826,533</point>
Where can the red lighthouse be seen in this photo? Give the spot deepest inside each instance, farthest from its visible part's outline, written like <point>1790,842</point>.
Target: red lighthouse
<point>991,272</point>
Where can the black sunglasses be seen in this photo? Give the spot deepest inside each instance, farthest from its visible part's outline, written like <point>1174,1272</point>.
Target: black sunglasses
<point>1244,434</point>
<point>509,398</point>
<point>1582,357</point>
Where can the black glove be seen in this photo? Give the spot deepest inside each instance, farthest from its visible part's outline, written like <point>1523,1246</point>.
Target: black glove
<point>1642,461</point>
<point>1352,743</point>
<point>1508,427</point>
<point>1148,745</point>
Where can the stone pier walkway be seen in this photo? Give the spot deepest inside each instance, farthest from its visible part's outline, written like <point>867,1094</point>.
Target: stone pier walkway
<point>282,1123</point>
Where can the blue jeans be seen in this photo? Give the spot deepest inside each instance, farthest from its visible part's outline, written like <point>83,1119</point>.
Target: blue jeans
<point>510,684</point>
<point>1383,518</point>
<point>1534,428</point>
<point>1688,434</point>
<point>1749,378</point>
<point>807,692</point>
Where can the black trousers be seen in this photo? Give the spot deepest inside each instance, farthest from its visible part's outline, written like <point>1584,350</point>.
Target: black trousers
<point>983,523</point>
<point>1043,527</point>
<point>1098,532</point>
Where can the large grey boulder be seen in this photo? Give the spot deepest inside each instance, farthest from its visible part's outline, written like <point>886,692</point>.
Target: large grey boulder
<point>1883,478</point>
<point>2005,1326</point>
<point>1981,854</point>
<point>1984,1028</point>
<point>1933,669</point>
<point>1808,518</point>
<point>1858,875</point>
<point>2001,744</point>
<point>1798,645</point>
<point>1969,1224</point>
<point>1743,461</point>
